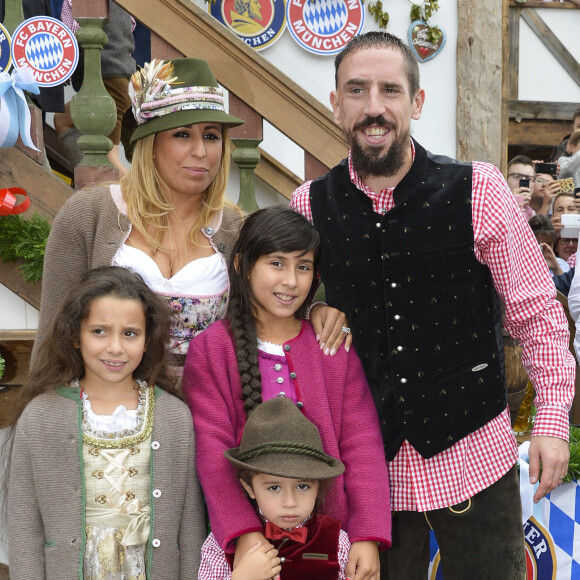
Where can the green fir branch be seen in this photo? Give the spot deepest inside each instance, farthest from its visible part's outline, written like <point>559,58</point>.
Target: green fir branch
<point>381,17</point>
<point>25,240</point>
<point>2,366</point>
<point>574,463</point>
<point>423,13</point>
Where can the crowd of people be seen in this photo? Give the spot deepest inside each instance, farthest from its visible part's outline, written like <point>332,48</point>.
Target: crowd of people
<point>327,440</point>
<point>544,193</point>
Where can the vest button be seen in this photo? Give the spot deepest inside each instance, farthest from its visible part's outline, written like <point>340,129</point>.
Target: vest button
<point>403,380</point>
<point>277,367</point>
<point>394,285</point>
<point>292,375</point>
<point>399,349</point>
<point>280,380</point>
<point>287,348</point>
<point>397,317</point>
<point>378,225</point>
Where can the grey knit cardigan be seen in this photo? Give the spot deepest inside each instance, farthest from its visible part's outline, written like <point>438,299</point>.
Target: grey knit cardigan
<point>87,233</point>
<point>46,495</point>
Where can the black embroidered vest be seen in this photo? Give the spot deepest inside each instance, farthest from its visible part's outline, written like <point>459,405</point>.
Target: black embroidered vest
<point>425,316</point>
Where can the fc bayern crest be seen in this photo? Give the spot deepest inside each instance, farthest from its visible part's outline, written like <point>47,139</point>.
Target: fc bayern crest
<point>5,55</point>
<point>259,23</point>
<point>46,46</point>
<point>325,26</point>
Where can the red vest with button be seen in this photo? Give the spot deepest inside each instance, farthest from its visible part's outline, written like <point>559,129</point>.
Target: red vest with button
<point>317,559</point>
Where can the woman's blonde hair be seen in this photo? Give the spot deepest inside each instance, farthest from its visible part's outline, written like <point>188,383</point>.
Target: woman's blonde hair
<point>146,194</point>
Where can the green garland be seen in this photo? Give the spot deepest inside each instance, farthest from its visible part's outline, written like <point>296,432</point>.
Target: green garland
<point>422,12</point>
<point>574,463</point>
<point>24,240</point>
<point>2,366</point>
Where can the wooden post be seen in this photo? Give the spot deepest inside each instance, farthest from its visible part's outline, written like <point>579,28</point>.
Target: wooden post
<point>313,168</point>
<point>479,80</point>
<point>161,49</point>
<point>92,109</point>
<point>246,156</point>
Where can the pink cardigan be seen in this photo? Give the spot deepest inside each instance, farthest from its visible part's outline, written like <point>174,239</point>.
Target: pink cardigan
<point>336,399</point>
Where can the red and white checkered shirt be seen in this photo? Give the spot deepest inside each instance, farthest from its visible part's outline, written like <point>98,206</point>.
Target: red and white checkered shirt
<point>215,566</point>
<point>505,244</point>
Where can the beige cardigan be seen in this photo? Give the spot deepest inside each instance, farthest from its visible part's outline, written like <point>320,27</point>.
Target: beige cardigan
<point>87,233</point>
<point>46,495</point>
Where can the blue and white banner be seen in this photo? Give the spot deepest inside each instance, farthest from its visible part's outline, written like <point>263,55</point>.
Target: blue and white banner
<point>14,113</point>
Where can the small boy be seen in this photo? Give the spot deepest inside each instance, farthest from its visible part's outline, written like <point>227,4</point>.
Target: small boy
<point>282,466</point>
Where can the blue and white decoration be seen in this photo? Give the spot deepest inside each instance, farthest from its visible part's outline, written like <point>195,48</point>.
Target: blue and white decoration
<point>14,112</point>
<point>324,26</point>
<point>46,46</point>
<point>5,54</point>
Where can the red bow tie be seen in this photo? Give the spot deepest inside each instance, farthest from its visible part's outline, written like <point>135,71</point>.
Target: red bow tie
<point>273,532</point>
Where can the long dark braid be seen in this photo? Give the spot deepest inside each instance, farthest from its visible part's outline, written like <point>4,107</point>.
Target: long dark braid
<point>243,327</point>
<point>274,229</point>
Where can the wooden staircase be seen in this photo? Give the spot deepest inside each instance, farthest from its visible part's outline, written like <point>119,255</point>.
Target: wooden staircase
<point>257,91</point>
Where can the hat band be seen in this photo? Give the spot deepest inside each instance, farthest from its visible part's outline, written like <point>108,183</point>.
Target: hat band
<point>285,447</point>
<point>181,99</point>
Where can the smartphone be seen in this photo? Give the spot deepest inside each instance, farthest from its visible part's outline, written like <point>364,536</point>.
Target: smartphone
<point>524,183</point>
<point>549,168</point>
<point>566,184</point>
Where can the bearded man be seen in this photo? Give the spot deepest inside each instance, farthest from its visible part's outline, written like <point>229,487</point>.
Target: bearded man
<point>418,250</point>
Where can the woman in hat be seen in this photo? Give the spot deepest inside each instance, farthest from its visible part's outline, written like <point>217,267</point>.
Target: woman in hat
<point>168,219</point>
<point>282,466</point>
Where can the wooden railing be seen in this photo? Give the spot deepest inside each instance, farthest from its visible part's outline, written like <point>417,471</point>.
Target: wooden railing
<point>257,91</point>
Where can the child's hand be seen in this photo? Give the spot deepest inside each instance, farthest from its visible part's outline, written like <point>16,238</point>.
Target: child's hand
<point>328,323</point>
<point>363,561</point>
<point>260,562</point>
<point>550,258</point>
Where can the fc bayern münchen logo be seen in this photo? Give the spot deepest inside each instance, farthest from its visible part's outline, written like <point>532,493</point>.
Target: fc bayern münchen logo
<point>259,23</point>
<point>46,46</point>
<point>5,55</point>
<point>325,26</point>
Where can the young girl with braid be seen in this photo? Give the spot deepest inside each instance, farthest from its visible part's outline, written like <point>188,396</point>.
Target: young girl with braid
<point>264,349</point>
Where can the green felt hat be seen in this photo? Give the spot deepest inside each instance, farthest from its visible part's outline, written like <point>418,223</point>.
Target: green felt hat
<point>279,440</point>
<point>170,94</point>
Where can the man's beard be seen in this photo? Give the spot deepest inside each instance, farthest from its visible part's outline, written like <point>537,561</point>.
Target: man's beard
<point>368,160</point>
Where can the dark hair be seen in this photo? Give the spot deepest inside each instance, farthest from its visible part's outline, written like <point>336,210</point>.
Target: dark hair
<point>523,160</point>
<point>274,229</point>
<point>59,360</point>
<point>543,229</point>
<point>378,39</point>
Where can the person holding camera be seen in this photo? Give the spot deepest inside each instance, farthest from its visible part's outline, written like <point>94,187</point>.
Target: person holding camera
<point>520,179</point>
<point>570,166</point>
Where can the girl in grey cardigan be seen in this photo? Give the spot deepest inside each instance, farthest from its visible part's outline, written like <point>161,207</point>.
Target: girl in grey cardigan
<point>102,474</point>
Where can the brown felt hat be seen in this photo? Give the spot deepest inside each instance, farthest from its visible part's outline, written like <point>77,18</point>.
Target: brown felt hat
<point>170,94</point>
<point>279,440</point>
